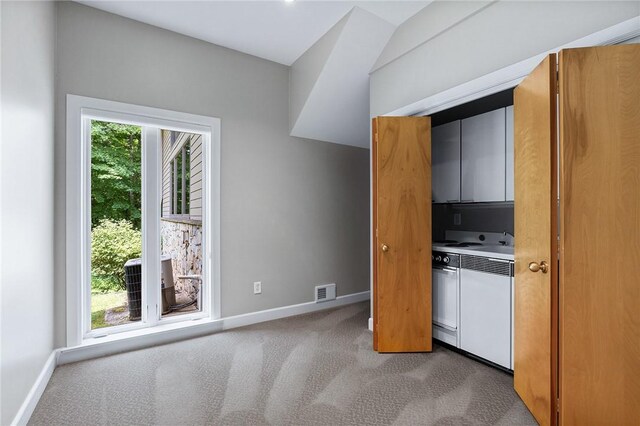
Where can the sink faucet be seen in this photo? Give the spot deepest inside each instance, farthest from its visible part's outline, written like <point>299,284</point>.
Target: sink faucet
<point>505,233</point>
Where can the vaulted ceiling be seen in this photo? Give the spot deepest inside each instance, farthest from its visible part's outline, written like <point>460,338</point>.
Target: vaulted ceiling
<point>331,46</point>
<point>276,30</point>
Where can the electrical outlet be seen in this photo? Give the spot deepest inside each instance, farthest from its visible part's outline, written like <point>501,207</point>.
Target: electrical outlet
<point>257,287</point>
<point>457,219</point>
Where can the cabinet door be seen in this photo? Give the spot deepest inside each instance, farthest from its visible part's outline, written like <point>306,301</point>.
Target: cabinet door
<point>513,295</point>
<point>445,151</point>
<point>402,234</point>
<point>535,210</point>
<point>600,219</point>
<point>445,298</point>
<point>485,315</point>
<point>509,152</point>
<point>483,157</point>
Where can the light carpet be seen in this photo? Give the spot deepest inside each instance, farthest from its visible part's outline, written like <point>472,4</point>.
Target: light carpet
<point>315,369</point>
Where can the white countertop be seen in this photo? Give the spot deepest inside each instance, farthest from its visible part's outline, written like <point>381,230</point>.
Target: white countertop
<point>490,250</point>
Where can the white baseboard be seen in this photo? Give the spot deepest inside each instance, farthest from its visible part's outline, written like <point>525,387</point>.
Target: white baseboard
<point>370,324</point>
<point>292,310</point>
<point>144,338</point>
<point>29,404</point>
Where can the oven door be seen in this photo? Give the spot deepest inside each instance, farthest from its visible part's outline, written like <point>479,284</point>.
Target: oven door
<point>445,304</point>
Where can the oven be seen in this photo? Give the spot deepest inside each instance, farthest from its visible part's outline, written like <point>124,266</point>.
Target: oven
<point>445,297</point>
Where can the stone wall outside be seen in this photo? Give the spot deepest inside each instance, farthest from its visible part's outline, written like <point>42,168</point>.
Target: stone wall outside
<point>182,240</point>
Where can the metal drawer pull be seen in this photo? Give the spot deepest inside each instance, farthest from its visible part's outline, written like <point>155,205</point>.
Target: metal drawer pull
<point>450,270</point>
<point>446,327</point>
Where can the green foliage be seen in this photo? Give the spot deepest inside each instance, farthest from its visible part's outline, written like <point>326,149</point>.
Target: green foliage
<point>112,244</point>
<point>116,181</point>
<point>103,284</point>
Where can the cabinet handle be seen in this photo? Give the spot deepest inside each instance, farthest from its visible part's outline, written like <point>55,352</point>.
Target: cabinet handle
<point>467,201</point>
<point>453,201</point>
<point>449,270</point>
<point>385,248</point>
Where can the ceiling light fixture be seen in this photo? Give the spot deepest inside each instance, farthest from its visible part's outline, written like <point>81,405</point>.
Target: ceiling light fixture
<point>288,1</point>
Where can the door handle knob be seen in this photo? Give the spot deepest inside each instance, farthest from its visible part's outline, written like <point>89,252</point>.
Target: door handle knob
<point>542,266</point>
<point>385,248</point>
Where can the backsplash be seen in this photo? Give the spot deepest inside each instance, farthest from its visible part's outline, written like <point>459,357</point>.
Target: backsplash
<point>489,217</point>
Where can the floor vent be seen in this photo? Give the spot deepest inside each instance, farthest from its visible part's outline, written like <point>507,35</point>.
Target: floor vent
<point>325,292</point>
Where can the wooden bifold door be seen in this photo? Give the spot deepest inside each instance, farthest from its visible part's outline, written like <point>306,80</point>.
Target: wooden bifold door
<point>401,151</point>
<point>577,236</point>
<point>577,277</point>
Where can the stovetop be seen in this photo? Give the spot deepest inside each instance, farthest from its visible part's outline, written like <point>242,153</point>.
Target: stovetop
<point>478,244</point>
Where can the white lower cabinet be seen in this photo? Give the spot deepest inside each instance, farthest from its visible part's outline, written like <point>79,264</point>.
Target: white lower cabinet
<point>485,315</point>
<point>513,312</point>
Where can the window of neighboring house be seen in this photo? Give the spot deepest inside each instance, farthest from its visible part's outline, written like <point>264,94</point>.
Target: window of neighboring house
<point>180,180</point>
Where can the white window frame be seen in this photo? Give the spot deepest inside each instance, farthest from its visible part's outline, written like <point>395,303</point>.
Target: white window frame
<point>80,111</point>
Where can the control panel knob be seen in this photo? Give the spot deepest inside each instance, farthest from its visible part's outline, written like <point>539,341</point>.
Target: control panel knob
<point>438,258</point>
<point>445,259</point>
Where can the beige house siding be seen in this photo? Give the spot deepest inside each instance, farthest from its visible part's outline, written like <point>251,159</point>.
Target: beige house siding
<point>168,154</point>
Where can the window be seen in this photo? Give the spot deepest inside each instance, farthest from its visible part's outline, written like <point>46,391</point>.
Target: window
<point>127,168</point>
<point>178,166</point>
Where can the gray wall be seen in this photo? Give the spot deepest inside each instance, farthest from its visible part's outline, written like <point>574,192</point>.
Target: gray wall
<point>304,72</point>
<point>294,211</point>
<point>26,176</point>
<point>496,36</point>
<point>433,20</point>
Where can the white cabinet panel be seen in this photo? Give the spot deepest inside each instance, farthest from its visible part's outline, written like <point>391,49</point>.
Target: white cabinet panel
<point>445,162</point>
<point>513,295</point>
<point>483,157</point>
<point>485,315</point>
<point>509,153</point>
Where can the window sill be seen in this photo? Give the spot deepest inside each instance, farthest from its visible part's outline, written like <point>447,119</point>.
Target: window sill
<point>94,347</point>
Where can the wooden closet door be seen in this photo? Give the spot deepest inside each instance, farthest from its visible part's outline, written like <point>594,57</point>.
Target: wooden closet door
<point>402,233</point>
<point>600,235</point>
<point>535,209</point>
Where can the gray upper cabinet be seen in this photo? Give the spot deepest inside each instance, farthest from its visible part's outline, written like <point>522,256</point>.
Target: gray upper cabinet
<point>509,151</point>
<point>483,157</point>
<point>445,162</point>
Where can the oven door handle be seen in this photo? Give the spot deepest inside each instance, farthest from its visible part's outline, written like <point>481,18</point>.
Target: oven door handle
<point>445,269</point>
